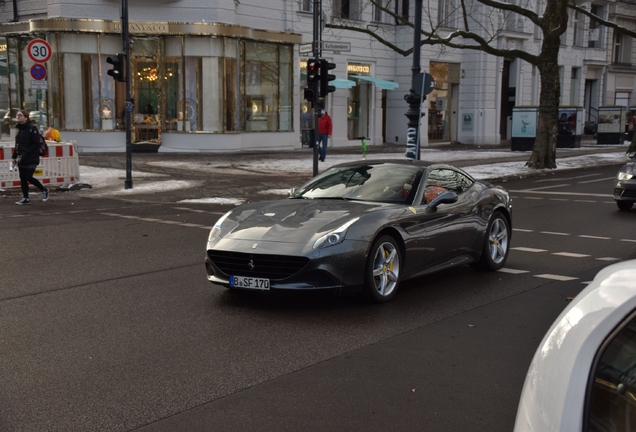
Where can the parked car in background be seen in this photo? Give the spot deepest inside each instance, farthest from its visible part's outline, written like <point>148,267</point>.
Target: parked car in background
<point>363,226</point>
<point>583,375</point>
<point>625,184</point>
<point>38,118</point>
<point>9,120</point>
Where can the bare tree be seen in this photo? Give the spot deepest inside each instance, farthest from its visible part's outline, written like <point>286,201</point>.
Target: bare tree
<point>478,25</point>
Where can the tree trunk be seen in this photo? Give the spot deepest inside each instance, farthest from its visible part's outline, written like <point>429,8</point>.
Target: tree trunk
<point>544,150</point>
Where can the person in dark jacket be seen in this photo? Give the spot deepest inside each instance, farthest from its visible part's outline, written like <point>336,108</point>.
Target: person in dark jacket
<point>27,156</point>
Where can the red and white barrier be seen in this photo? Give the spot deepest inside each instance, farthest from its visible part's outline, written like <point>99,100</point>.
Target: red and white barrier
<point>60,166</point>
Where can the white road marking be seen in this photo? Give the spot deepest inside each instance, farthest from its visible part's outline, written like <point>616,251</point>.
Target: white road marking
<point>585,201</point>
<point>608,259</point>
<point>566,178</point>
<point>534,198</point>
<point>563,193</point>
<point>628,240</point>
<point>191,225</point>
<point>595,237</point>
<point>555,233</point>
<point>559,199</point>
<point>522,230</point>
<point>549,187</point>
<point>150,219</point>
<point>512,271</point>
<point>525,249</point>
<point>570,254</point>
<point>556,277</point>
<point>597,180</point>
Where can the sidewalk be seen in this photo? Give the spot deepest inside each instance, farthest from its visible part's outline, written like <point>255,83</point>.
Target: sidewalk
<point>233,178</point>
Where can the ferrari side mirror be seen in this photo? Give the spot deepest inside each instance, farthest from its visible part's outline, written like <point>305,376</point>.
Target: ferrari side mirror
<point>443,198</point>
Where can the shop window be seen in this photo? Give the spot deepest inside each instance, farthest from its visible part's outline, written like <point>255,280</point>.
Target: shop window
<point>266,80</point>
<point>438,103</point>
<point>358,104</point>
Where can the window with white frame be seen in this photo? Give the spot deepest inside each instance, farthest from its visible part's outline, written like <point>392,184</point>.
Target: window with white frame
<point>348,9</point>
<point>379,15</point>
<point>447,13</point>
<point>577,19</point>
<point>402,9</point>
<point>575,80</point>
<point>306,5</point>
<point>622,48</point>
<point>622,99</point>
<point>595,32</point>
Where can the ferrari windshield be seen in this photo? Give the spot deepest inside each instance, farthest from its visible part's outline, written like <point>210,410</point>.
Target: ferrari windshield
<point>380,182</point>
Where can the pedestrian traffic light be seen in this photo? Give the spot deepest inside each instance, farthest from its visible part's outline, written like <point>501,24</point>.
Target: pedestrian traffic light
<point>313,78</point>
<point>118,62</point>
<point>326,77</point>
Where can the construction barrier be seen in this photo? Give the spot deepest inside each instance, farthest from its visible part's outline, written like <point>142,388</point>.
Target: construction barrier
<point>60,166</point>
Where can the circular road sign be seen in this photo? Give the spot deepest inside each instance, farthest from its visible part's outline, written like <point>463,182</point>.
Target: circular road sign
<point>39,50</point>
<point>38,71</point>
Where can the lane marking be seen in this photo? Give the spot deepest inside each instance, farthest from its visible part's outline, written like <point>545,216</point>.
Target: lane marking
<point>524,249</point>
<point>567,178</point>
<point>628,240</point>
<point>563,193</point>
<point>522,230</point>
<point>558,199</point>
<point>585,201</point>
<point>556,277</point>
<point>570,254</point>
<point>512,271</point>
<point>191,225</point>
<point>594,237</point>
<point>533,198</point>
<point>549,187</point>
<point>597,180</point>
<point>554,233</point>
<point>608,259</point>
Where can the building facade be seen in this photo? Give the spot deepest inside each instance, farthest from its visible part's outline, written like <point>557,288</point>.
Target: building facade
<point>228,75</point>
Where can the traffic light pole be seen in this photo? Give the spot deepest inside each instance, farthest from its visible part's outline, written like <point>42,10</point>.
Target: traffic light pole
<point>317,47</point>
<point>128,184</point>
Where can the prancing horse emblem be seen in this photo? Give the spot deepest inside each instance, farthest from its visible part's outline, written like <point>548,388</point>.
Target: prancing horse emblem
<point>251,265</point>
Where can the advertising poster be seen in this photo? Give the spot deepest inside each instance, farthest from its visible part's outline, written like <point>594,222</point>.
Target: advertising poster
<point>609,121</point>
<point>567,122</point>
<point>524,124</point>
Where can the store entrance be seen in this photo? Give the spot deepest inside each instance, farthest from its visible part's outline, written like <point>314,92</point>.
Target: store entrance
<point>146,90</point>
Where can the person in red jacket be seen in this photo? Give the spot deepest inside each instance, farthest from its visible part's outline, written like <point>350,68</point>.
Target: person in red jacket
<point>324,133</point>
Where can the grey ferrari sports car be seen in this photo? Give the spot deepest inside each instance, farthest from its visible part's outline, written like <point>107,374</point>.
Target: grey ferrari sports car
<point>363,226</point>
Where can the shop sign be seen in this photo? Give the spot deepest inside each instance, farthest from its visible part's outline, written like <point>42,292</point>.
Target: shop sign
<point>141,27</point>
<point>359,69</point>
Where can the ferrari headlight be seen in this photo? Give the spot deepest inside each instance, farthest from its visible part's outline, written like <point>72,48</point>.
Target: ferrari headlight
<point>216,231</point>
<point>625,176</point>
<point>334,237</point>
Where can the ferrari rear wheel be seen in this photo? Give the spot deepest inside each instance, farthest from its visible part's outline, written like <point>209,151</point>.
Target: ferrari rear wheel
<point>382,273</point>
<point>624,205</point>
<point>497,244</point>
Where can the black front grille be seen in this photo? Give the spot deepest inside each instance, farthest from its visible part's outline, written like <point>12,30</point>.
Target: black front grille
<point>273,267</point>
<point>629,193</point>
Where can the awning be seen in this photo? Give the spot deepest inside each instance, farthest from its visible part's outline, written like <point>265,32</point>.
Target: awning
<point>383,84</point>
<point>342,83</point>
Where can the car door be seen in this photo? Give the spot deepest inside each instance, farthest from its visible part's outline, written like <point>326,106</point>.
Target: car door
<point>445,234</point>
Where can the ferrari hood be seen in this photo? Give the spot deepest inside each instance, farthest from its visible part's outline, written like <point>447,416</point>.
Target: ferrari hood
<point>293,220</point>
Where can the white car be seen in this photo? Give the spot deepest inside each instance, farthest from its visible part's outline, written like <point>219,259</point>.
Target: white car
<point>583,375</point>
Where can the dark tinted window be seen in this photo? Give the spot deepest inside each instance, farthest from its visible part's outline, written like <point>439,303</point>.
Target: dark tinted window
<point>612,404</point>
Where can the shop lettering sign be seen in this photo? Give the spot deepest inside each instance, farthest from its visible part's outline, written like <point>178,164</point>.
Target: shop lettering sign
<point>359,69</point>
<point>140,27</point>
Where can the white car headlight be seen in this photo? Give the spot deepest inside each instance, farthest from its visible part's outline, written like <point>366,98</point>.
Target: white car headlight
<point>216,231</point>
<point>334,237</point>
<point>625,176</point>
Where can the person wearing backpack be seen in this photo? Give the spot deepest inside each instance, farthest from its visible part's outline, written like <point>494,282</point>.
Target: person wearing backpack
<point>26,156</point>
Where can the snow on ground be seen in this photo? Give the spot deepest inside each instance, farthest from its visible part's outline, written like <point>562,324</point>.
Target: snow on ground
<point>106,181</point>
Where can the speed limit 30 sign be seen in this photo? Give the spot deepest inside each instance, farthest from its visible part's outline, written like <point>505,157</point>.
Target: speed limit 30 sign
<point>39,50</point>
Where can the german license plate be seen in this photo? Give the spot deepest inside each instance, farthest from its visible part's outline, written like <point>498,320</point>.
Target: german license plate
<point>249,282</point>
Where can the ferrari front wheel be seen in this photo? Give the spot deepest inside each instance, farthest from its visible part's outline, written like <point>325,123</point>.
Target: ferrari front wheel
<point>496,244</point>
<point>382,273</point>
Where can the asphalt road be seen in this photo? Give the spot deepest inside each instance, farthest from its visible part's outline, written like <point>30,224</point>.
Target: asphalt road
<point>107,322</point>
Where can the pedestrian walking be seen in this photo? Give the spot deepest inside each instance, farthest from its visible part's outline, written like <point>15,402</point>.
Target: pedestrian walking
<point>26,156</point>
<point>324,133</point>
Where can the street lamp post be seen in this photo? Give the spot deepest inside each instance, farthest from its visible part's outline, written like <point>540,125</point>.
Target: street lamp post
<point>414,113</point>
<point>128,183</point>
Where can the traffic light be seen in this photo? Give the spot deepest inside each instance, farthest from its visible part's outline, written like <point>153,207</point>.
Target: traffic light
<point>326,77</point>
<point>311,91</point>
<point>119,65</point>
